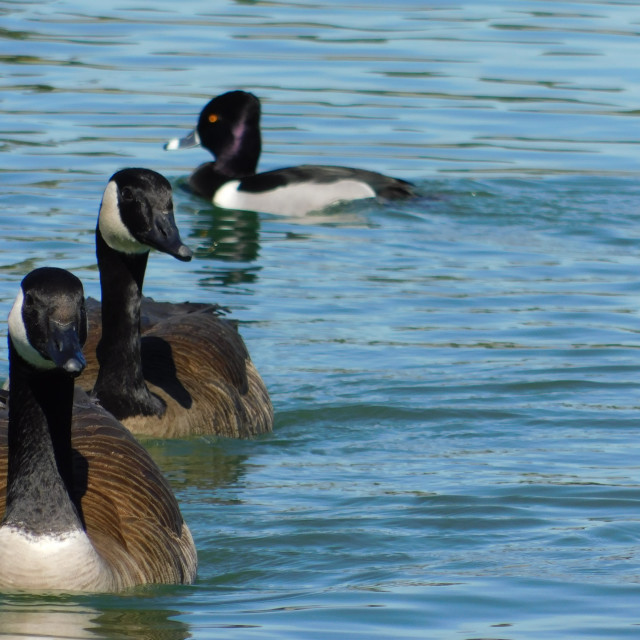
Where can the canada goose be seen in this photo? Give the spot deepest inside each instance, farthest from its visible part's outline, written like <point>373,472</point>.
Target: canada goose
<point>229,127</point>
<point>170,370</point>
<point>85,507</point>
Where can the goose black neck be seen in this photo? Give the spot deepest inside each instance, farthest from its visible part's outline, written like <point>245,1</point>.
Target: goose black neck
<point>120,385</point>
<point>40,489</point>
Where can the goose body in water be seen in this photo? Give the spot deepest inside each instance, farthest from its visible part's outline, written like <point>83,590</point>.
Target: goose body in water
<point>85,507</point>
<point>163,369</point>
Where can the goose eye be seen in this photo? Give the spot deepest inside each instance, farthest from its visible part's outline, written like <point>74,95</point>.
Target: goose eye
<point>127,194</point>
<point>213,118</point>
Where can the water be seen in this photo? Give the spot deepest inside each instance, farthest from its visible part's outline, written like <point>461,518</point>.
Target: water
<point>455,379</point>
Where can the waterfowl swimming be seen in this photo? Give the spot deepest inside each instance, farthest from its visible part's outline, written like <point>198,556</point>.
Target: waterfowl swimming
<point>85,507</point>
<point>162,369</point>
<point>229,127</point>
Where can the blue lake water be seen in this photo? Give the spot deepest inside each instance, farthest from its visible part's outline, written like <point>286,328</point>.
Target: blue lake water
<point>456,379</point>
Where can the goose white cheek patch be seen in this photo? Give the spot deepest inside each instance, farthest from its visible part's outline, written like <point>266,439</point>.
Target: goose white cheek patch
<point>113,230</point>
<point>18,333</point>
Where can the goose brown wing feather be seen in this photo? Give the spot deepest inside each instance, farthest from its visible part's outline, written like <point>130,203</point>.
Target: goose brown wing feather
<point>195,339</point>
<point>152,312</point>
<point>226,397</point>
<point>198,363</point>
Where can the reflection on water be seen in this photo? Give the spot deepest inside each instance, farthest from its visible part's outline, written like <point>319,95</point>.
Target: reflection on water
<point>64,618</point>
<point>221,236</point>
<point>232,236</point>
<point>218,234</point>
<point>199,463</point>
<point>29,618</point>
<point>137,623</point>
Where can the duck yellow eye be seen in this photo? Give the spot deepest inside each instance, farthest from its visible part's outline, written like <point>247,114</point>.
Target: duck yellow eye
<point>213,118</point>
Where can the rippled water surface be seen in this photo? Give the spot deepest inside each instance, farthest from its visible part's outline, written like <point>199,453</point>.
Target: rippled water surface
<point>455,378</point>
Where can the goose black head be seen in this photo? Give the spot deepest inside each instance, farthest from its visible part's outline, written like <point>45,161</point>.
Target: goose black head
<point>136,215</point>
<point>48,321</point>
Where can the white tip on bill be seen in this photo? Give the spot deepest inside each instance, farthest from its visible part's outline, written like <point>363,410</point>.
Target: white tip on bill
<point>172,145</point>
